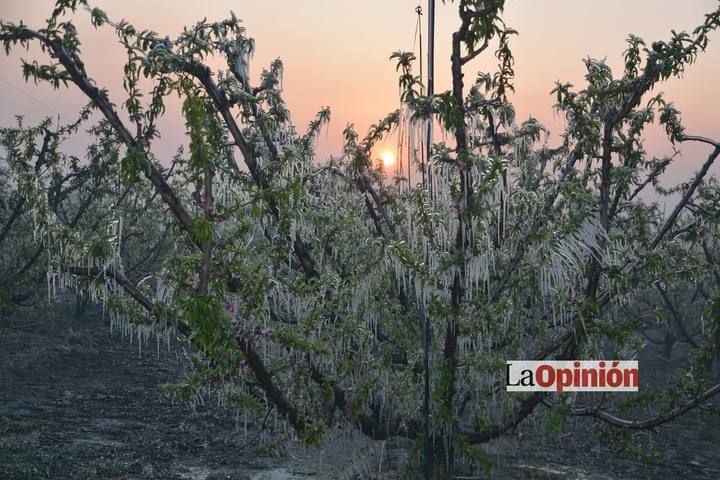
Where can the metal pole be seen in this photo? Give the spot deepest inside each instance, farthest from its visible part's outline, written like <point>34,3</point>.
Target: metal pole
<point>426,399</point>
<point>430,86</point>
<point>422,160</point>
<point>428,329</point>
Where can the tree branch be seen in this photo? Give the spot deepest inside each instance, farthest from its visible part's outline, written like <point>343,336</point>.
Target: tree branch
<point>76,69</point>
<point>685,198</point>
<point>648,423</point>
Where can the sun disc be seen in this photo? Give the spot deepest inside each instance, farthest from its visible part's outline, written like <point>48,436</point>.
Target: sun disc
<point>388,158</point>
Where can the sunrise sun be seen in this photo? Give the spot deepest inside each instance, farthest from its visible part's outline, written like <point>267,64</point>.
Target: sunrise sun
<point>388,158</point>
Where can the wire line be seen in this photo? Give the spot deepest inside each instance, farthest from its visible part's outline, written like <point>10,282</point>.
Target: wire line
<point>31,97</point>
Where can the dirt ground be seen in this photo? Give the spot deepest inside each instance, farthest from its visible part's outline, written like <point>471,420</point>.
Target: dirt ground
<point>79,403</point>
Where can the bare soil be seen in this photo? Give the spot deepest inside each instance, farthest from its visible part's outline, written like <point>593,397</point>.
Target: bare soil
<point>79,403</point>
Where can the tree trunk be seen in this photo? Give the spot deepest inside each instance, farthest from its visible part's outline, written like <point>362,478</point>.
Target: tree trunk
<point>668,344</point>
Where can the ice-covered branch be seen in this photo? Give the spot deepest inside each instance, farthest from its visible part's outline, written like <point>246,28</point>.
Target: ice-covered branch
<point>651,422</point>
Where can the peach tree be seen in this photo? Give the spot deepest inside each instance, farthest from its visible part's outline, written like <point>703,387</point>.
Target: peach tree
<point>307,288</point>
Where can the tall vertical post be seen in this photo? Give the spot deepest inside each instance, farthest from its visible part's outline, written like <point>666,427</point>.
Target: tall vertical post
<point>427,341</point>
<point>430,87</point>
<point>418,10</point>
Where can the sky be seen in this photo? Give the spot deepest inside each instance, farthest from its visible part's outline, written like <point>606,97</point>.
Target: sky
<point>336,53</point>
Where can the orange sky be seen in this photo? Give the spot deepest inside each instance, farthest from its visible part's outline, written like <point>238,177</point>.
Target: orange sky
<point>336,53</point>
